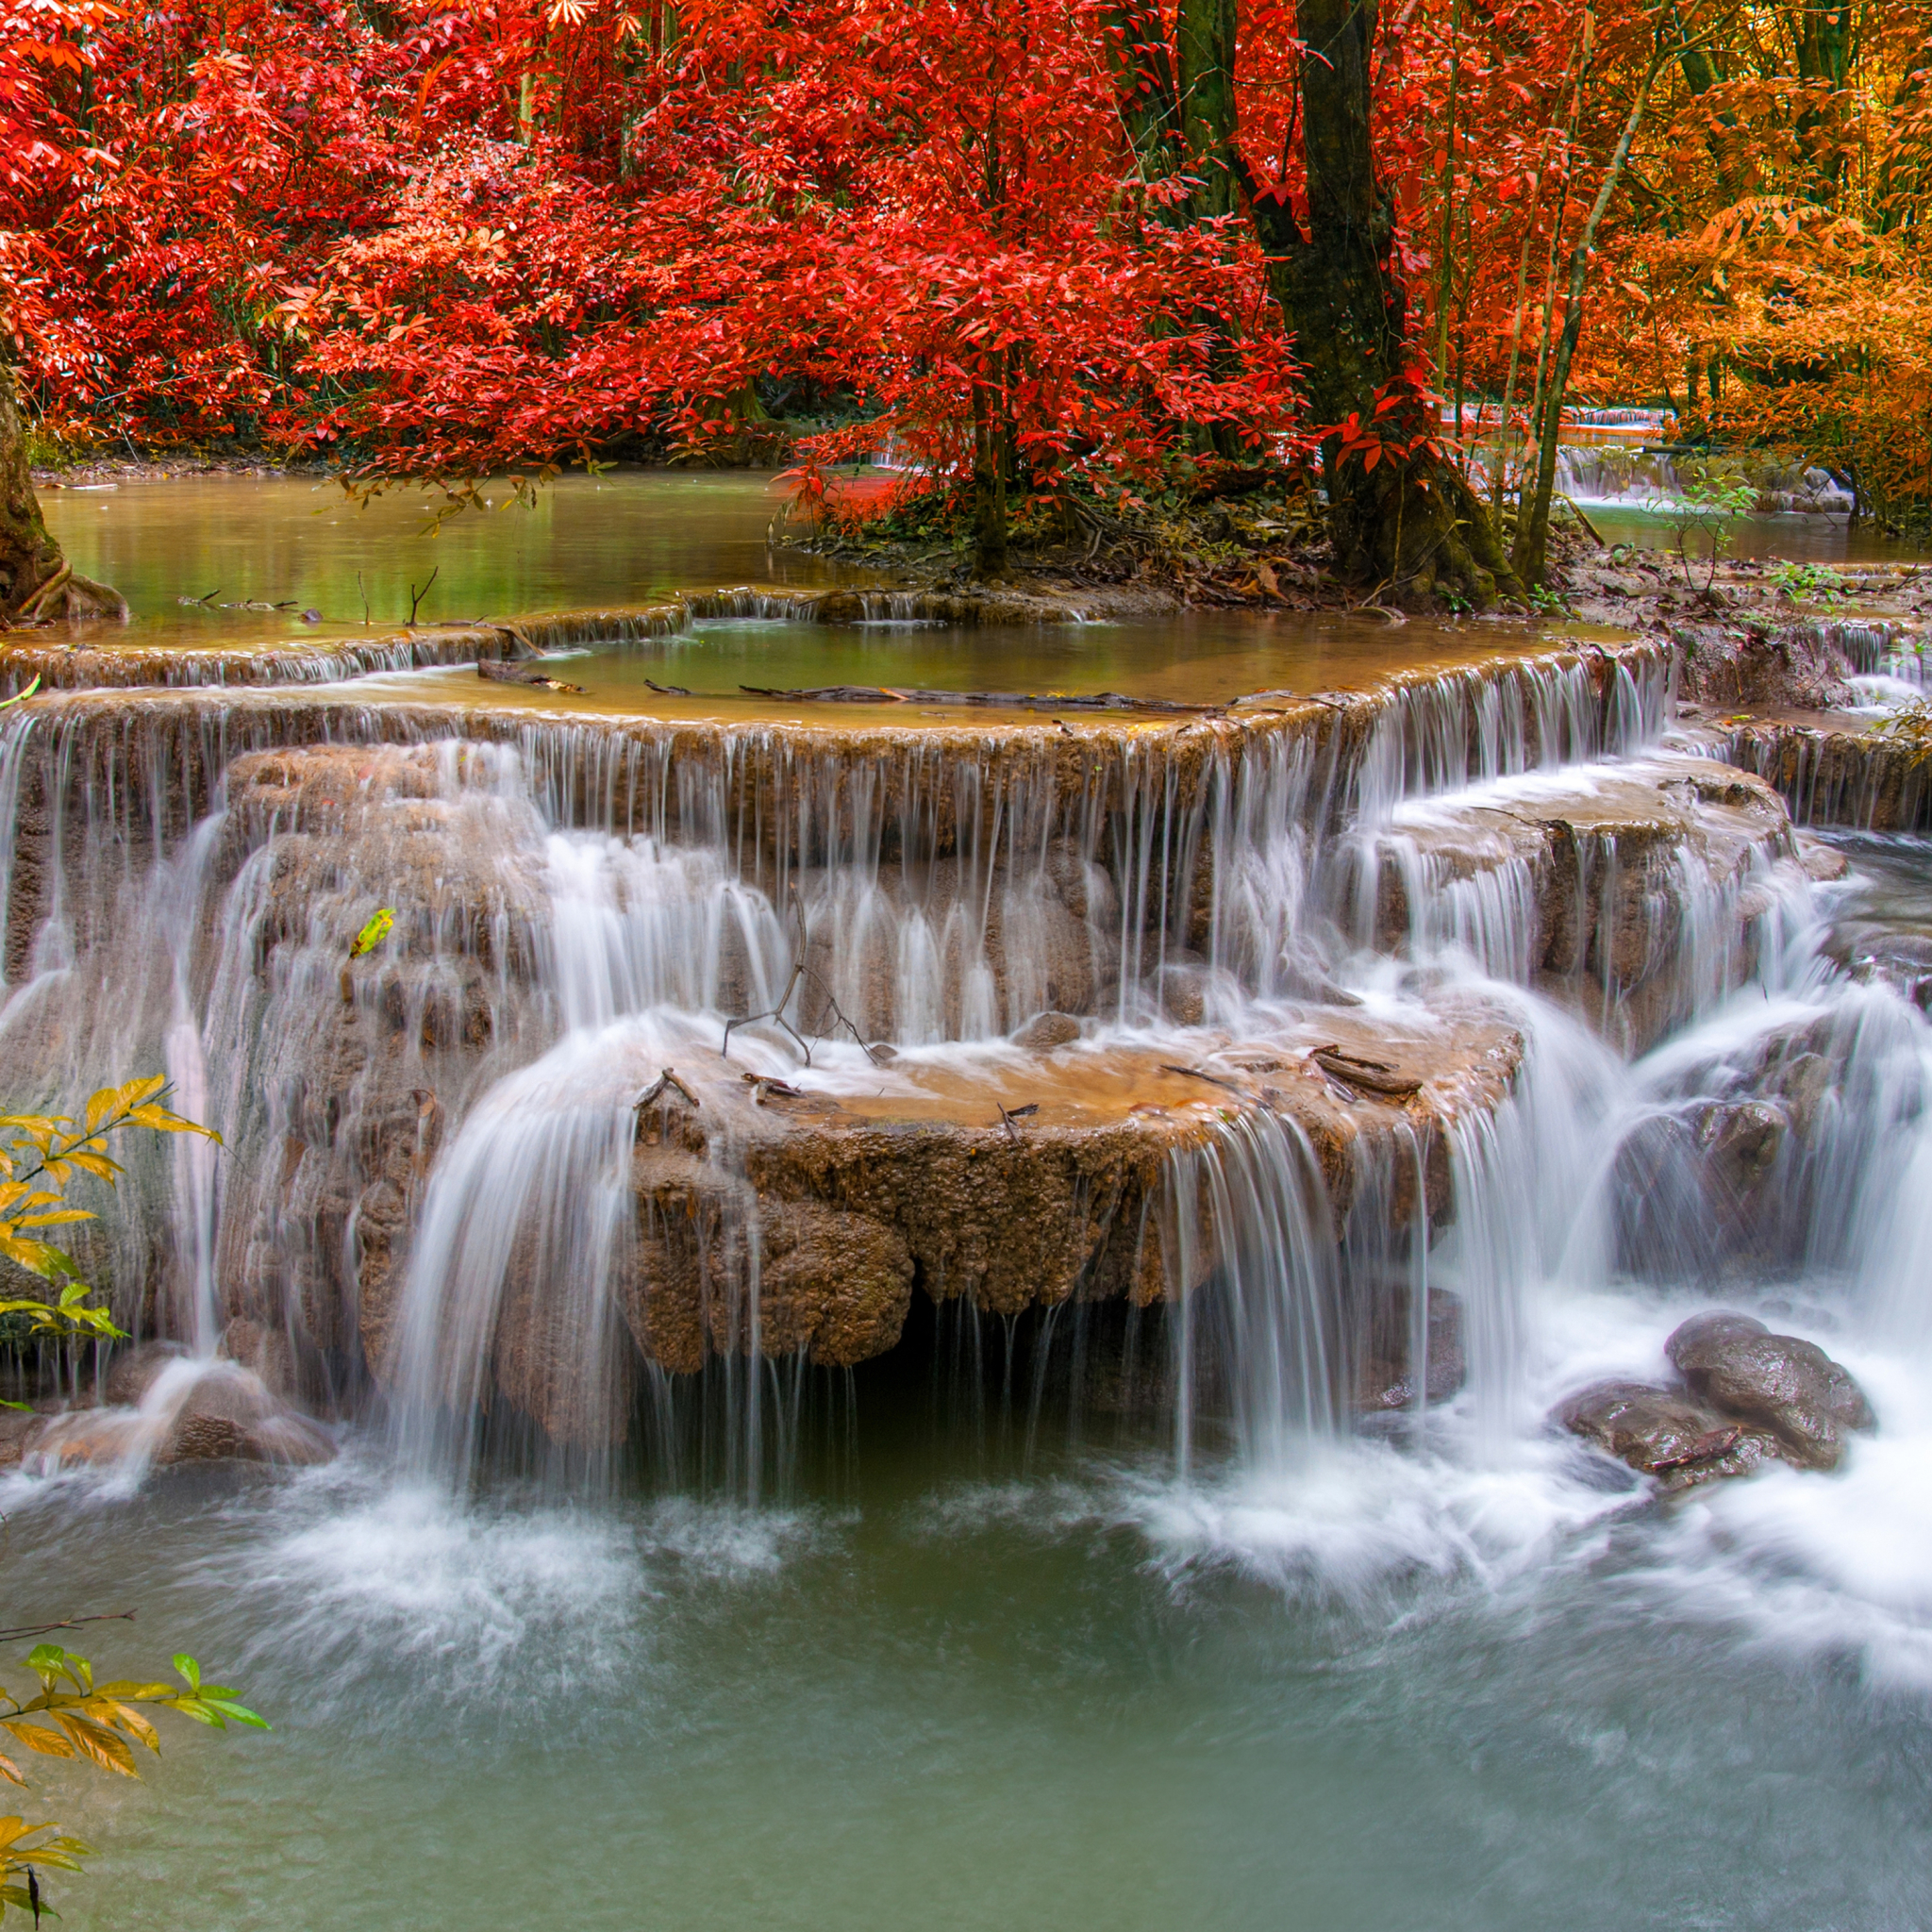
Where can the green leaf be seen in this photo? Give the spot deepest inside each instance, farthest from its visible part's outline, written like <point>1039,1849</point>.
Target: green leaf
<point>374,933</point>
<point>239,1712</point>
<point>188,1669</point>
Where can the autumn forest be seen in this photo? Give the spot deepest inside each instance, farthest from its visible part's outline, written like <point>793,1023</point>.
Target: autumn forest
<point>1049,255</point>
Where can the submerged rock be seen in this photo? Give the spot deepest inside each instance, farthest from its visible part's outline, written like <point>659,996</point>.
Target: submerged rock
<point>1779,1382</point>
<point>1386,1382</point>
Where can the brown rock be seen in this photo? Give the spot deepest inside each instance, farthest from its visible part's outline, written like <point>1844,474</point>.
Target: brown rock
<point>1740,1140</point>
<point>1386,1382</point>
<point>1045,1031</point>
<point>1662,1432</point>
<point>133,1373</point>
<point>1778,1382</point>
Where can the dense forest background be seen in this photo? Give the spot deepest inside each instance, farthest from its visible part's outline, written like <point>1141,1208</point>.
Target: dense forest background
<point>1057,245</point>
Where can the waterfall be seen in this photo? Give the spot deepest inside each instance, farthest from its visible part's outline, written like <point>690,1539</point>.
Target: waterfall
<point>443,1196</point>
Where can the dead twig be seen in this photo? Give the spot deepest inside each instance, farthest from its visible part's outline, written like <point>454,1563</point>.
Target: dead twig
<point>417,597</point>
<point>1212,1079</point>
<point>800,973</point>
<point>667,1079</point>
<point>1009,1114</point>
<point>65,1623</point>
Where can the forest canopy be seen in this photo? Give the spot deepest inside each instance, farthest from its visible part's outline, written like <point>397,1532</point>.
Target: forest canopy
<point>1048,246</point>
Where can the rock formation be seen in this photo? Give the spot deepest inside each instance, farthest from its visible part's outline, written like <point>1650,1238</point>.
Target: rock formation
<point>1748,1397</point>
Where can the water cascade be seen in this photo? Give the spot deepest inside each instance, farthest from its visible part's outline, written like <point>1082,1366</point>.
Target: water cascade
<point>1264,1062</point>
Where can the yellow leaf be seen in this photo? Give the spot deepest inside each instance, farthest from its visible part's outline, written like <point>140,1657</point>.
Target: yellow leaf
<point>38,1737</point>
<point>106,1748</point>
<point>10,1771</point>
<point>165,1123</point>
<point>109,1710</point>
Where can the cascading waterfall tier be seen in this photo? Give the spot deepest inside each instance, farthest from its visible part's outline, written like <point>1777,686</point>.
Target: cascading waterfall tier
<point>1185,1016</point>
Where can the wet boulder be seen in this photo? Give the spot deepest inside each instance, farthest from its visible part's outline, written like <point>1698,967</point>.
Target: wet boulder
<point>1046,1031</point>
<point>1740,1140</point>
<point>1665,1433</point>
<point>228,1413</point>
<point>1387,1384</point>
<point>135,1372</point>
<point>1778,1382</point>
<point>1902,959</point>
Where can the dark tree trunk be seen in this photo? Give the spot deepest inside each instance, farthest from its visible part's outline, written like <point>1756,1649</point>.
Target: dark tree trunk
<point>1406,525</point>
<point>35,579</point>
<point>990,453</point>
<point>1205,48</point>
<point>1826,35</point>
<point>1142,65</point>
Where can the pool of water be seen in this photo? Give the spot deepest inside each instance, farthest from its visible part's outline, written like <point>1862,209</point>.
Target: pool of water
<point>228,541</point>
<point>1373,1688</point>
<point>1802,537</point>
<point>224,542</point>
<point>728,668</point>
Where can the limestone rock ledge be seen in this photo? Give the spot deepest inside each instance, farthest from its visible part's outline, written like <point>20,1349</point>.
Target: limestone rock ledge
<point>800,1215</point>
<point>1627,892</point>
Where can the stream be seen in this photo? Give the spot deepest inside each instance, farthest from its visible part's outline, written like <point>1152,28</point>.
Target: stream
<point>1068,1609</point>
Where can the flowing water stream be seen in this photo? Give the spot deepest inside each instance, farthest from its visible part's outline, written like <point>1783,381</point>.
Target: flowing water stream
<point>1089,1597</point>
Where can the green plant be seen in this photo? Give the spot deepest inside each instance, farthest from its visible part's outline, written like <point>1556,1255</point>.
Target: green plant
<point>99,1725</point>
<point>1713,500</point>
<point>1813,583</point>
<point>42,1156</point>
<point>1909,729</point>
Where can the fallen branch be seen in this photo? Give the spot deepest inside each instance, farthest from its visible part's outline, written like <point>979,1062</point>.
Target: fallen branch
<point>1009,1114</point>
<point>1003,700</point>
<point>666,1079</point>
<point>1374,1077</point>
<point>498,672</point>
<point>800,971</point>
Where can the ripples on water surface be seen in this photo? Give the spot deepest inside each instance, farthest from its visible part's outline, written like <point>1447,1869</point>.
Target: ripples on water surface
<point>1378,1684</point>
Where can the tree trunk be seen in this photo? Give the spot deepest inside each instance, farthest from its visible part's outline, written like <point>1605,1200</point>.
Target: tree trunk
<point>1406,525</point>
<point>1205,46</point>
<point>1533,514</point>
<point>989,442</point>
<point>35,580</point>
